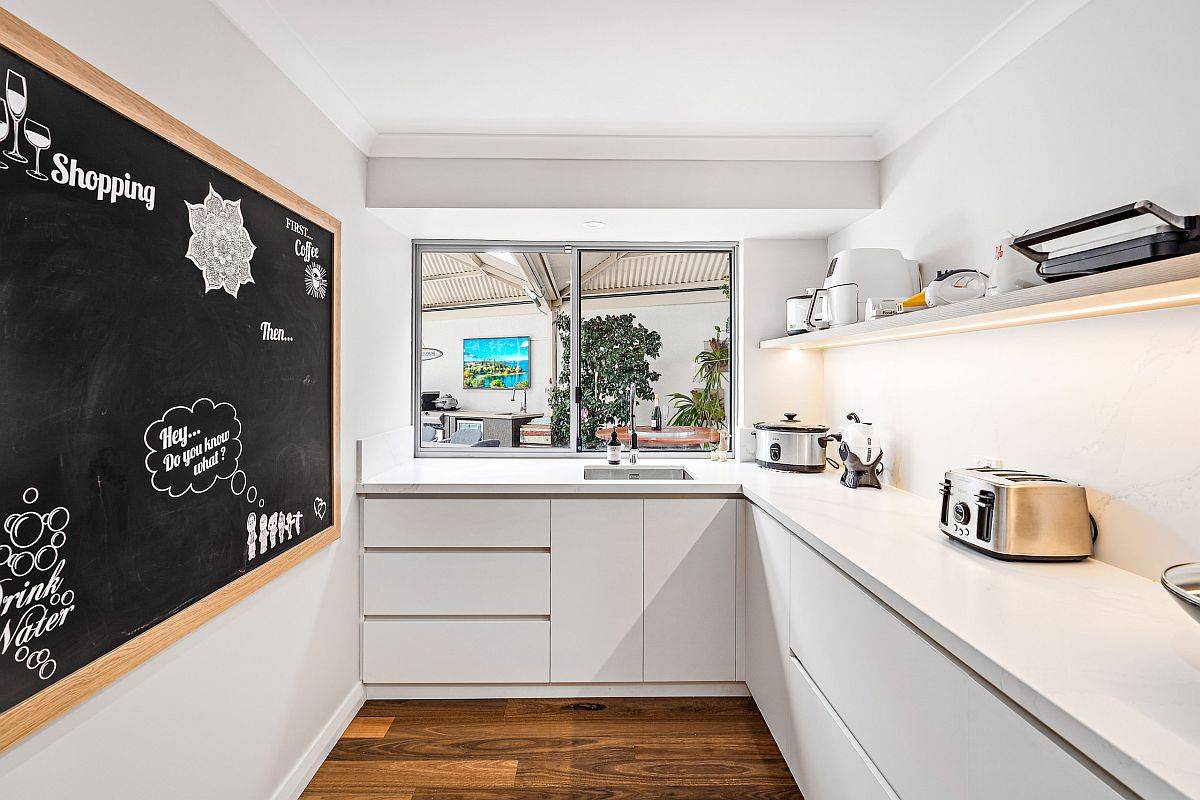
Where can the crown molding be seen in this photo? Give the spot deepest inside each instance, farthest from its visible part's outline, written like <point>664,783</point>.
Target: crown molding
<point>271,33</point>
<point>653,148</point>
<point>1013,36</point>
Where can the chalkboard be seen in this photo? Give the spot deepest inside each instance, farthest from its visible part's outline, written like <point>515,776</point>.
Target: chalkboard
<point>167,378</point>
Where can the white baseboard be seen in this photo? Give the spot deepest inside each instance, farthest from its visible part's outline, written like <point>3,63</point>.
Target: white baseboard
<point>481,691</point>
<point>324,741</point>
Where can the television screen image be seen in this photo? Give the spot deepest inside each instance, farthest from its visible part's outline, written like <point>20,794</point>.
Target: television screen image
<point>500,362</point>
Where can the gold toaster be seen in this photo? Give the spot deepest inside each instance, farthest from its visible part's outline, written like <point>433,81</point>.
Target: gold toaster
<point>1017,515</point>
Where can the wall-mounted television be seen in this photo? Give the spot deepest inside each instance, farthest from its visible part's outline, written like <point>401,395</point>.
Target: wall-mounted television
<point>498,362</point>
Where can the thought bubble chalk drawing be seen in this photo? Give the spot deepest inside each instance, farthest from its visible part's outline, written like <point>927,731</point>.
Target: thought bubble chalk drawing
<point>193,447</point>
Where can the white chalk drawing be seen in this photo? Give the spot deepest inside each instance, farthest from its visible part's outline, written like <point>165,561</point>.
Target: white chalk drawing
<point>220,246</point>
<point>315,282</point>
<point>192,447</point>
<point>272,334</point>
<point>33,601</point>
<point>267,531</point>
<point>37,135</point>
<point>16,94</point>
<point>319,507</point>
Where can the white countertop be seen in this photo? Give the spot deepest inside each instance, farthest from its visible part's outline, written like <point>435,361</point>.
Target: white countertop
<point>1101,656</point>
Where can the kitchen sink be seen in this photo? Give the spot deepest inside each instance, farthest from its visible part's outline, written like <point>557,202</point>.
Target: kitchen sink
<point>649,472</point>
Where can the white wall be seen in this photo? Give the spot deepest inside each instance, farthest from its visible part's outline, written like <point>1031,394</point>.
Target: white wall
<point>777,381</point>
<point>1092,116</point>
<point>227,711</point>
<point>446,330</point>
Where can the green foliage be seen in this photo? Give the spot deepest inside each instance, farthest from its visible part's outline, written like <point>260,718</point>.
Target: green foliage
<point>616,352</point>
<point>705,407</point>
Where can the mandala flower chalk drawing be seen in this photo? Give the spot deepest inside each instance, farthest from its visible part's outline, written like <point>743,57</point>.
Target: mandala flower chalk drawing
<point>315,282</point>
<point>220,246</point>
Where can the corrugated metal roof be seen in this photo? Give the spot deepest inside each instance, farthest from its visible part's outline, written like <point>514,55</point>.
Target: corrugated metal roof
<point>650,270</point>
<point>458,284</point>
<point>449,281</point>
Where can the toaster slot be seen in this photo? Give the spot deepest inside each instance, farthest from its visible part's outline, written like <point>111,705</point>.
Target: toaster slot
<point>986,501</point>
<point>945,491</point>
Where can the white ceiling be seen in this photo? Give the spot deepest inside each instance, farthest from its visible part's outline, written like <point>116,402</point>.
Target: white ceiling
<point>638,68</point>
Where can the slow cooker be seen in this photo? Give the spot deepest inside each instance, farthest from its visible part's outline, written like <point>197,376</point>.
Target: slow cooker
<point>791,445</point>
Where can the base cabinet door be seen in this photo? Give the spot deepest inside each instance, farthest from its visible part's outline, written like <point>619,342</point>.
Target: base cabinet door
<point>1008,757</point>
<point>827,762</point>
<point>595,590</point>
<point>690,574</point>
<point>903,700</point>
<point>767,662</point>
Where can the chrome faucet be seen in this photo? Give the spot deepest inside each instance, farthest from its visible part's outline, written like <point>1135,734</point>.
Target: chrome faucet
<point>524,398</point>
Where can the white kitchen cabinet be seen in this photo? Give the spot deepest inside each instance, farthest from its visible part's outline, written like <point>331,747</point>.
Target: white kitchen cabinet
<point>498,582</point>
<point>767,597</point>
<point>596,590</point>
<point>456,651</point>
<point>903,700</point>
<point>1008,757</point>
<point>827,762</point>
<point>456,522</point>
<point>690,549</point>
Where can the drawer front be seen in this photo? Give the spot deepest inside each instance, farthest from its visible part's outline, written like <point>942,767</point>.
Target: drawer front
<point>826,761</point>
<point>456,651</point>
<point>456,583</point>
<point>903,700</point>
<point>456,522</point>
<point>1010,758</point>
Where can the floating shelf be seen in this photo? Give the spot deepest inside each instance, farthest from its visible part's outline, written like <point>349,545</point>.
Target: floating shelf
<point>1164,284</point>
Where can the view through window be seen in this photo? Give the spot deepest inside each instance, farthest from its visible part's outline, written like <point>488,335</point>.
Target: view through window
<point>496,336</point>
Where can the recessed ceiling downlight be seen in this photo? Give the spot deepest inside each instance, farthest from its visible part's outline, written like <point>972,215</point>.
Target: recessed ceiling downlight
<point>593,224</point>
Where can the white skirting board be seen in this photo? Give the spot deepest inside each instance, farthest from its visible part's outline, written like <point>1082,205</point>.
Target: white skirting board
<point>484,691</point>
<point>326,738</point>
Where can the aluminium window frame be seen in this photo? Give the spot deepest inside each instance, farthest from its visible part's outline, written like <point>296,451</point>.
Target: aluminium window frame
<point>575,248</point>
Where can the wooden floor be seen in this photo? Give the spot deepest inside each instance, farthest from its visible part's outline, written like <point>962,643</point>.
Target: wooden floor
<point>603,749</point>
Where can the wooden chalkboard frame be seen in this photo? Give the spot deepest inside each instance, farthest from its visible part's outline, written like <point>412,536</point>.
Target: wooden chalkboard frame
<point>55,700</point>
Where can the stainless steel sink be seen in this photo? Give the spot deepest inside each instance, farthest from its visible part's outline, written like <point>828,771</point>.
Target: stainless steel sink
<point>639,472</point>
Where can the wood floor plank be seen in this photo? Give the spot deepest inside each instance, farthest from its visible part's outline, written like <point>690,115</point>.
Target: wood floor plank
<point>406,775</point>
<point>426,742</point>
<point>618,793</point>
<point>649,773</point>
<point>554,749</point>
<point>435,710</point>
<point>658,708</point>
<point>367,728</point>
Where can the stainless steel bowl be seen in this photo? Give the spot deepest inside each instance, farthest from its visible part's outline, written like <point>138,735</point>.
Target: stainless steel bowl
<point>1183,582</point>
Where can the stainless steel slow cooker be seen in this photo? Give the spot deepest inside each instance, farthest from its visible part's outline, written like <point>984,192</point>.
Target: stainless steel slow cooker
<point>792,446</point>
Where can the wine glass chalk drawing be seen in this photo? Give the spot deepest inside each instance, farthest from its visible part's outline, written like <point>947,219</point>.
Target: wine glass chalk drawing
<point>3,128</point>
<point>15,94</point>
<point>37,135</point>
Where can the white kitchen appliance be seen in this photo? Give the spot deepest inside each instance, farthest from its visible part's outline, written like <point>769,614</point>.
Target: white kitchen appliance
<point>856,275</point>
<point>797,312</point>
<point>1010,270</point>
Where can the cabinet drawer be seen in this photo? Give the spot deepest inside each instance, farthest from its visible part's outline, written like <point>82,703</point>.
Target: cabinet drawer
<point>902,700</point>
<point>456,583</point>
<point>456,522</point>
<point>456,651</point>
<point>826,760</point>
